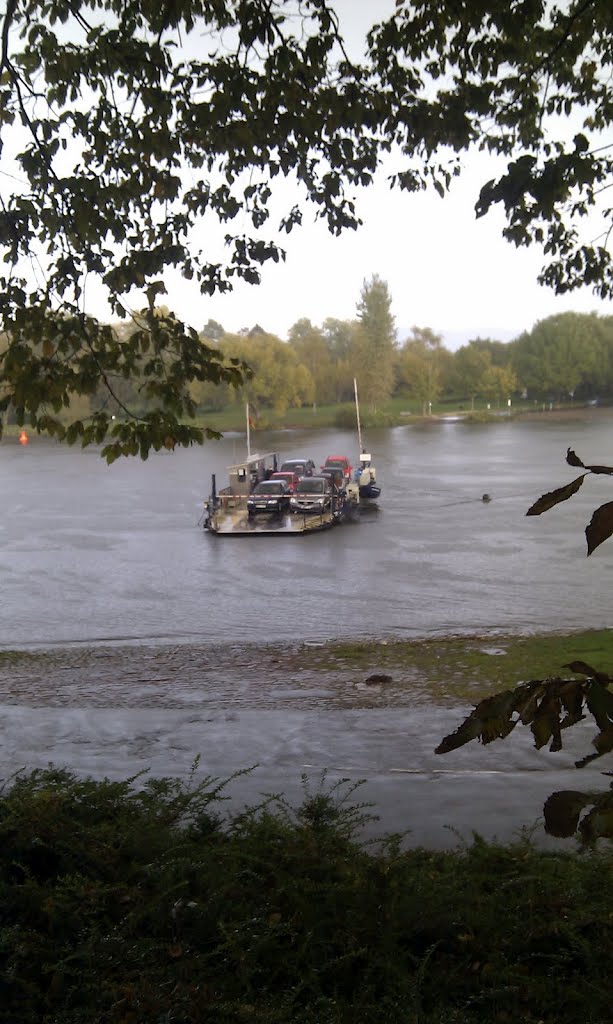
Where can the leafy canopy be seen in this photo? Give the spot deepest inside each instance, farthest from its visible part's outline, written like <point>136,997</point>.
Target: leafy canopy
<point>139,128</point>
<point>529,82</point>
<point>550,706</point>
<point>141,138</point>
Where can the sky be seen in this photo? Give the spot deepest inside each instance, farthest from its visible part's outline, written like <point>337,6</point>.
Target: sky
<point>444,268</point>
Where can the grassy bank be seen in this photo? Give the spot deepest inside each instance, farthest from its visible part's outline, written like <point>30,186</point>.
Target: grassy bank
<point>123,905</point>
<point>397,411</point>
<point>461,668</point>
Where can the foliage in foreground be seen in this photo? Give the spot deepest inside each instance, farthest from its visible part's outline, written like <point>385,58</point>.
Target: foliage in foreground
<point>141,904</point>
<point>600,526</point>
<point>548,706</point>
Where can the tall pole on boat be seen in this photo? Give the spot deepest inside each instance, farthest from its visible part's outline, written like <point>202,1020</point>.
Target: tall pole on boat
<point>357,412</point>
<point>248,431</point>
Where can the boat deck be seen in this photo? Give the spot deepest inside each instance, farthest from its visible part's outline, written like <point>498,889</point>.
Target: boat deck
<point>236,522</point>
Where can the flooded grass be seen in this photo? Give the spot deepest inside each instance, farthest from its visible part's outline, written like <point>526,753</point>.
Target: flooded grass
<point>143,905</point>
<point>459,668</point>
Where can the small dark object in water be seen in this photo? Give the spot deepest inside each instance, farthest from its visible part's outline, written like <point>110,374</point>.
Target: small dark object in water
<point>378,678</point>
<point>485,498</point>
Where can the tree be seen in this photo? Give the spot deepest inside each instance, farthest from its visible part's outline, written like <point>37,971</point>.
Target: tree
<point>420,364</point>
<point>279,380</point>
<point>340,338</point>
<point>133,129</point>
<point>131,124</point>
<point>499,351</point>
<point>375,342</point>
<point>560,355</point>
<point>213,330</point>
<point>529,82</point>
<point>499,383</point>
<point>471,365</point>
<point>311,349</point>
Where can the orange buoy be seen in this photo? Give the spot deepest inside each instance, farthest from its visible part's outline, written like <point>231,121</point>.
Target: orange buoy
<point>23,437</point>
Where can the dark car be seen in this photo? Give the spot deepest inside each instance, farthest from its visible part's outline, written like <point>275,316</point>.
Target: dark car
<point>270,497</point>
<point>335,476</point>
<point>303,467</point>
<point>313,494</point>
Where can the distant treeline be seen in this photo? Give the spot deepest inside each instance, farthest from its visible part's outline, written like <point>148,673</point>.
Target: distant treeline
<point>564,357</point>
<point>567,356</point>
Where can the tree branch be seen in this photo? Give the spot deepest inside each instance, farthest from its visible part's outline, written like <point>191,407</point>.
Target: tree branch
<point>6,27</point>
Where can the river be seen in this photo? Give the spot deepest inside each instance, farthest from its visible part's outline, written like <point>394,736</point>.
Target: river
<point>115,602</point>
<point>97,553</point>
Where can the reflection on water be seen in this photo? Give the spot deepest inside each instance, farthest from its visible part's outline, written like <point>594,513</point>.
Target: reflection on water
<point>97,553</point>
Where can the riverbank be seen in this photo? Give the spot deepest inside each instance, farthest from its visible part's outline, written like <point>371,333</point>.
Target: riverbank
<point>445,670</point>
<point>264,716</point>
<point>392,414</point>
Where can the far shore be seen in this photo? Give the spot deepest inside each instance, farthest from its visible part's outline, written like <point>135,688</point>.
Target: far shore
<point>333,418</point>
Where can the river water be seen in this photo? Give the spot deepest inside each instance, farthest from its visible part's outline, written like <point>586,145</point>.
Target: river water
<point>96,553</point>
<point>136,634</point>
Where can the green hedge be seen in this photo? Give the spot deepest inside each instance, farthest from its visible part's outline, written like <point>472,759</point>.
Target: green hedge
<point>141,902</point>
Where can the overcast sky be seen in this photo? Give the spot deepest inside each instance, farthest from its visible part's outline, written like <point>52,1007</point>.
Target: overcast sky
<point>445,270</point>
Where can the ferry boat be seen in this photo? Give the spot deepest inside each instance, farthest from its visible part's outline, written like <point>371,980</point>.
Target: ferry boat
<point>226,512</point>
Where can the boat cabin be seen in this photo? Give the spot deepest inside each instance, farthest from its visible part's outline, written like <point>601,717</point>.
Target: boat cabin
<point>245,475</point>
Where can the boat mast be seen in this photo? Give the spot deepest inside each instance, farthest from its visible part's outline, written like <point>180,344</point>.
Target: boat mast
<point>357,412</point>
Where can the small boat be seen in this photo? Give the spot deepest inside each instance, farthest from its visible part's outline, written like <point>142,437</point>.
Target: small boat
<point>365,474</point>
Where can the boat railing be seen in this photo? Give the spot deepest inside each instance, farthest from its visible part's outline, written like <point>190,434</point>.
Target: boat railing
<point>229,500</point>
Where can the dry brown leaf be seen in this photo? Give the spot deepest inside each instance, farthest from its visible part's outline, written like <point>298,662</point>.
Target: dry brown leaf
<point>600,527</point>
<point>562,810</point>
<point>572,458</point>
<point>547,501</point>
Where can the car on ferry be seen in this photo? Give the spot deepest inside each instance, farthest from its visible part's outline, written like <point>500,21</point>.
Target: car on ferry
<point>336,476</point>
<point>339,462</point>
<point>303,467</point>
<point>270,497</point>
<point>290,477</point>
<point>313,494</point>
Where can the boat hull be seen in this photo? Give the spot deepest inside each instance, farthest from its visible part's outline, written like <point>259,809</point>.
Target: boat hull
<point>370,491</point>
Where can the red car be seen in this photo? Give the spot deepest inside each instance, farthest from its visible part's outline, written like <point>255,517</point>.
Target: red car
<point>290,478</point>
<point>339,462</point>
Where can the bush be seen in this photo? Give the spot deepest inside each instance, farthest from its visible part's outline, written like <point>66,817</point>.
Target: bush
<point>130,902</point>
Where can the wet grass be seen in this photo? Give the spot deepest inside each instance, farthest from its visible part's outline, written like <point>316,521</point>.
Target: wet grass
<point>124,902</point>
<point>460,667</point>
